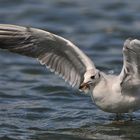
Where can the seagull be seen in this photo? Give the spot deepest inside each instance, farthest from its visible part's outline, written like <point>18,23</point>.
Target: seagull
<point>111,93</point>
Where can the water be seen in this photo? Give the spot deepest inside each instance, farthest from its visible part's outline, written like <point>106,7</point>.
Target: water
<point>35,104</point>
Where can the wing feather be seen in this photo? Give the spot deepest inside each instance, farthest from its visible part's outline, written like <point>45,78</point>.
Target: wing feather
<point>131,63</point>
<point>56,53</point>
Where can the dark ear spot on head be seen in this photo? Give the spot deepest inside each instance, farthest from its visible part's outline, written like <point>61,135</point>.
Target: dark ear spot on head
<point>92,77</point>
<point>99,74</point>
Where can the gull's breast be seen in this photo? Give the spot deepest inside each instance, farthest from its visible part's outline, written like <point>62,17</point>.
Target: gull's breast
<point>108,97</point>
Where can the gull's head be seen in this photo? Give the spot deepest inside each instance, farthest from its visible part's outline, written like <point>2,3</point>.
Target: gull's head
<point>91,78</point>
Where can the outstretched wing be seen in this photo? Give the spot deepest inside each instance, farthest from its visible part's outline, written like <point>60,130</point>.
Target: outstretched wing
<point>130,75</point>
<point>57,53</point>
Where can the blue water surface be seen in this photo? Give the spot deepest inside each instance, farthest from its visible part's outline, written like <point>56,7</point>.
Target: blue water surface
<point>37,105</point>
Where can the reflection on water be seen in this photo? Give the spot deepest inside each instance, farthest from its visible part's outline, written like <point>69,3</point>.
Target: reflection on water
<point>129,130</point>
<point>35,104</point>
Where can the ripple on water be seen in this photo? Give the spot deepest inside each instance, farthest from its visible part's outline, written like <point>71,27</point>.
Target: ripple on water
<point>34,104</point>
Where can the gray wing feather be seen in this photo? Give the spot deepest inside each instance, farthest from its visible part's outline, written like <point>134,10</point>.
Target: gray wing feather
<point>131,63</point>
<point>57,53</point>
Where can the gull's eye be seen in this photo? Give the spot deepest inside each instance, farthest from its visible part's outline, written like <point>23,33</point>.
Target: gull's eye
<point>92,77</point>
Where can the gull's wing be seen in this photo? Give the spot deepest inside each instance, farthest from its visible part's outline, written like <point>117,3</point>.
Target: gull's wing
<point>130,75</point>
<point>57,53</point>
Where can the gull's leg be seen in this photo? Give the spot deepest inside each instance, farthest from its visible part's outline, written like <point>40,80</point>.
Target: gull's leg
<point>130,116</point>
<point>118,117</point>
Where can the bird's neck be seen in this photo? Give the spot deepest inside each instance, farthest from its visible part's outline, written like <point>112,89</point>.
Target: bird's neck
<point>106,85</point>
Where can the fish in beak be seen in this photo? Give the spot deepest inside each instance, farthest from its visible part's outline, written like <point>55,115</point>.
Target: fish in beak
<point>84,86</point>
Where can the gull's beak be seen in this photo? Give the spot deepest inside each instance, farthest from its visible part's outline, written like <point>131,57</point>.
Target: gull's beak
<point>84,86</point>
